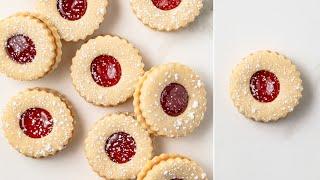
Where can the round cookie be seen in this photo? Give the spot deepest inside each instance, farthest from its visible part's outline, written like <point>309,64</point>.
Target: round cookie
<point>173,167</point>
<point>170,100</point>
<point>54,32</point>
<point>31,47</point>
<point>117,147</point>
<point>38,122</point>
<point>166,15</point>
<point>106,70</point>
<point>74,19</point>
<point>265,86</point>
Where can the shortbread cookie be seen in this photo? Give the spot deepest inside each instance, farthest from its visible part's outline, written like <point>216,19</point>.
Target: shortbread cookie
<point>74,19</point>
<point>106,70</point>
<point>117,147</point>
<point>31,47</point>
<point>170,100</point>
<point>171,167</point>
<point>265,86</point>
<point>54,32</point>
<point>166,15</point>
<point>38,122</point>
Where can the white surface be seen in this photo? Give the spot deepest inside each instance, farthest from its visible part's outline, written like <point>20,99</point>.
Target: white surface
<point>290,148</point>
<point>191,46</point>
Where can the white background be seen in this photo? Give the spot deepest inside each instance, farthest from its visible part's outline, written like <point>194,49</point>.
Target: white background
<point>191,46</point>
<point>290,148</point>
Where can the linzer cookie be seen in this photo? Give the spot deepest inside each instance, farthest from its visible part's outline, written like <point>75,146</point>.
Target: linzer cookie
<point>265,86</point>
<point>38,122</point>
<point>118,147</point>
<point>166,15</point>
<point>106,70</point>
<point>74,19</point>
<point>31,47</point>
<point>173,167</point>
<point>170,100</point>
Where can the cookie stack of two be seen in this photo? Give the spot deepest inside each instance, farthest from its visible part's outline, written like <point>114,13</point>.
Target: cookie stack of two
<point>32,46</point>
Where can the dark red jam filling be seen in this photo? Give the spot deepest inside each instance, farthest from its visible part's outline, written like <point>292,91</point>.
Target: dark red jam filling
<point>174,99</point>
<point>21,49</point>
<point>72,9</point>
<point>264,86</point>
<point>36,122</point>
<point>176,179</point>
<point>106,70</point>
<point>120,147</point>
<point>166,4</point>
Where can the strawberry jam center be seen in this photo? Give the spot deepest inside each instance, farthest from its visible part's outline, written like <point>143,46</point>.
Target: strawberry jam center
<point>174,99</point>
<point>20,49</point>
<point>264,86</point>
<point>72,9</point>
<point>166,4</point>
<point>120,147</point>
<point>36,122</point>
<point>106,70</point>
<point>176,179</point>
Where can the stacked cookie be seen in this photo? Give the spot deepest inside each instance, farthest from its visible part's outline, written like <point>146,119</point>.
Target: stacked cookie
<point>265,86</point>
<point>38,122</point>
<point>31,46</point>
<point>169,99</point>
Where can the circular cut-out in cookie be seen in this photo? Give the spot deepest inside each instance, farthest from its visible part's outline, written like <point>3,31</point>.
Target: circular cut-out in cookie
<point>74,19</point>
<point>170,100</point>
<point>31,47</point>
<point>38,122</point>
<point>166,15</point>
<point>117,147</point>
<point>173,167</point>
<point>265,86</point>
<point>106,70</point>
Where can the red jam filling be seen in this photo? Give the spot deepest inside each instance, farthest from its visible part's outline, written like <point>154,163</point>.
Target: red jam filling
<point>174,99</point>
<point>264,86</point>
<point>21,49</point>
<point>36,122</point>
<point>106,70</point>
<point>72,9</point>
<point>166,4</point>
<point>120,147</point>
<point>176,179</point>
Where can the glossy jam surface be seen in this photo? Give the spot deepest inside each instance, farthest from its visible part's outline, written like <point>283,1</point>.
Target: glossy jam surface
<point>166,4</point>
<point>176,179</point>
<point>36,122</point>
<point>174,99</point>
<point>72,9</point>
<point>264,86</point>
<point>106,70</point>
<point>21,49</point>
<point>120,147</point>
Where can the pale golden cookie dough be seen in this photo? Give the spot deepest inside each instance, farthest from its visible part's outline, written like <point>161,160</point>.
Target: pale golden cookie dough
<point>78,29</point>
<point>45,38</point>
<point>99,159</point>
<point>131,68</point>
<point>290,86</point>
<point>147,100</point>
<point>168,20</point>
<point>63,122</point>
<point>171,166</point>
